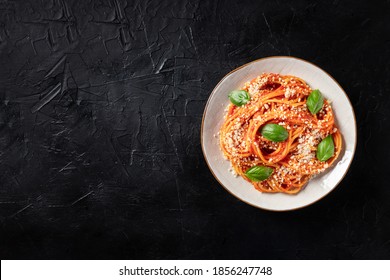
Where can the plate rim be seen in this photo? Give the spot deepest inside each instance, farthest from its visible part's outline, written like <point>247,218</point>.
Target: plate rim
<point>227,189</point>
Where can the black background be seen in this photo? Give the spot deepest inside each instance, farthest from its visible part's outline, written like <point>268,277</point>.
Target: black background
<point>100,112</point>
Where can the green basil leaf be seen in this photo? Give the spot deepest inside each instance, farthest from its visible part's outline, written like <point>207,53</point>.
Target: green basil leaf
<point>274,132</point>
<point>259,173</point>
<point>239,97</point>
<point>315,101</point>
<point>325,149</point>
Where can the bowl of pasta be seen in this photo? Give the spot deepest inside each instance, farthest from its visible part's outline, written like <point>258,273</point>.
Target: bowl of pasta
<point>278,133</point>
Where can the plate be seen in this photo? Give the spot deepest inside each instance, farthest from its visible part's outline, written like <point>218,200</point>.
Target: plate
<point>213,117</point>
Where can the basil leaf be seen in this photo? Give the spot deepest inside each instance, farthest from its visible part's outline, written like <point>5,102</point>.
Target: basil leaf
<point>325,149</point>
<point>315,101</point>
<point>259,173</point>
<point>239,97</point>
<point>274,132</point>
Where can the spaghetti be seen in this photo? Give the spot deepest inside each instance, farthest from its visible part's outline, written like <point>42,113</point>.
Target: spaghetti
<point>280,100</point>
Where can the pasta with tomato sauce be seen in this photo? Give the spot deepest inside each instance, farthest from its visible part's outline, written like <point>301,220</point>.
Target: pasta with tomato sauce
<point>278,133</point>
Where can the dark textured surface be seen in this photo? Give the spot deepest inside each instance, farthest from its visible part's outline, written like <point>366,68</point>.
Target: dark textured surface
<point>100,111</point>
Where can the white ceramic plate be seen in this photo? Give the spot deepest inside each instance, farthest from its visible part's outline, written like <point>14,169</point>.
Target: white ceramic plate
<point>213,118</point>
